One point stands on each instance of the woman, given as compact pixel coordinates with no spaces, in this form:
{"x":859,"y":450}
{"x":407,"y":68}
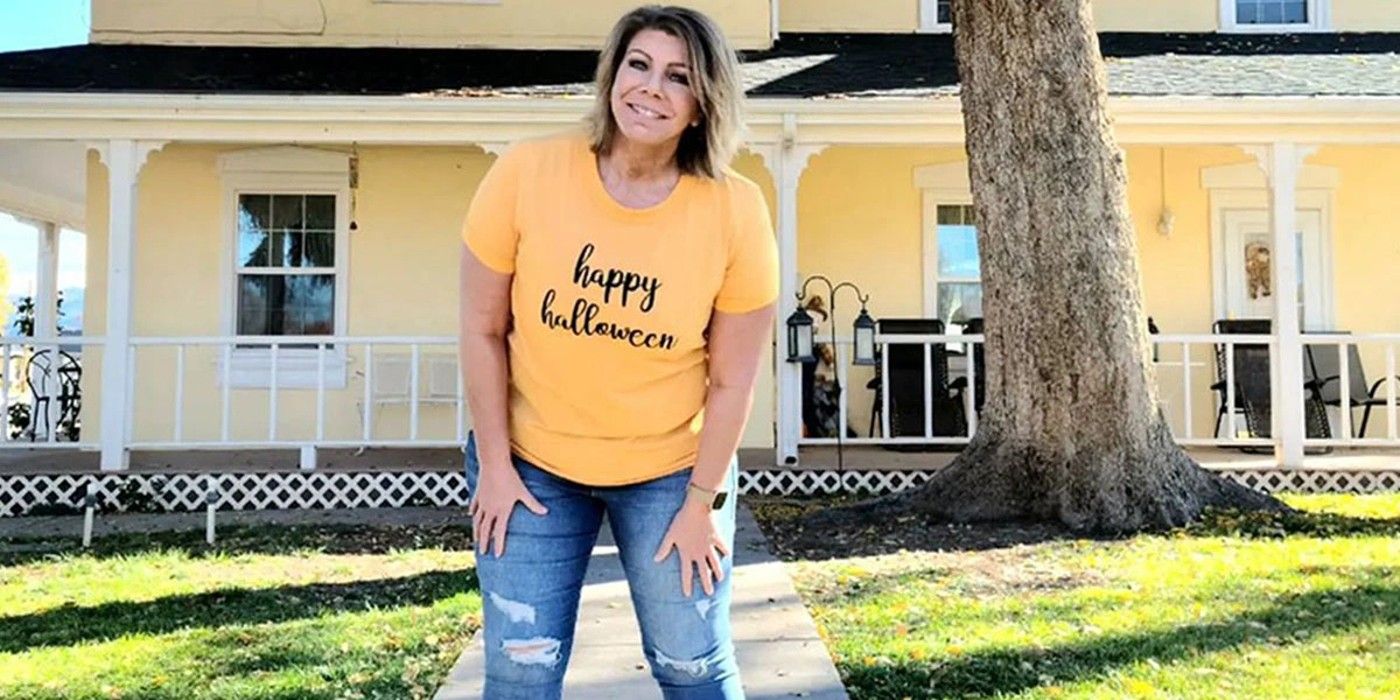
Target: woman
{"x":618,"y":286}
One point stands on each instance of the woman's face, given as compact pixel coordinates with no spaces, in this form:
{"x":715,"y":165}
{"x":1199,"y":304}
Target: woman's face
{"x":651,"y":97}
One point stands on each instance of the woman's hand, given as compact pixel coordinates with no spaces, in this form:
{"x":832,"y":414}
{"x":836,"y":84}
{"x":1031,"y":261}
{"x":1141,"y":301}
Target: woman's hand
{"x":498,"y":489}
{"x":693,"y":534}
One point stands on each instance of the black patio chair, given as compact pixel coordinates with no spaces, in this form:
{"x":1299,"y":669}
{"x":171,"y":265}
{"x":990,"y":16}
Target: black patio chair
{"x":1245,"y":327}
{"x":59,"y":385}
{"x":1324,"y":364}
{"x":978,"y":355}
{"x":1253,"y":385}
{"x":905,"y":384}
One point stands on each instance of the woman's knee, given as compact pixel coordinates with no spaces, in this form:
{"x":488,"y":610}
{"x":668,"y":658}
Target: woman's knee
{"x":678,"y":666}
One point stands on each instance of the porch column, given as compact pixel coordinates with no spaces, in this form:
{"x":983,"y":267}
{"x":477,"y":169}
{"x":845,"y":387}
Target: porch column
{"x":1281,"y":162}
{"x":124,"y":158}
{"x":786,"y":161}
{"x":46,"y":311}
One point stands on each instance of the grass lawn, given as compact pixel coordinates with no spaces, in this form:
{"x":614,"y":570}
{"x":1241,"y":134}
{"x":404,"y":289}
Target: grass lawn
{"x":270,"y":612}
{"x":1238,"y":607}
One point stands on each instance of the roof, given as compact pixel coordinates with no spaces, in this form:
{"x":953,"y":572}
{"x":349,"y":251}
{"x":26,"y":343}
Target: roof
{"x":799,"y":66}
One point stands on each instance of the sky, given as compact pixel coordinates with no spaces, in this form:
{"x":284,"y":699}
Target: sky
{"x":37,"y":24}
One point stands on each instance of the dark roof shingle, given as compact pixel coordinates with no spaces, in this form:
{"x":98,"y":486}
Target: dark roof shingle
{"x":799,"y":65}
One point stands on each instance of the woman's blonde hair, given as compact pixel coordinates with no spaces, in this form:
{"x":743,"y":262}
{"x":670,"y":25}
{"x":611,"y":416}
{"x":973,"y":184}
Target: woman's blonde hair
{"x":705,"y":149}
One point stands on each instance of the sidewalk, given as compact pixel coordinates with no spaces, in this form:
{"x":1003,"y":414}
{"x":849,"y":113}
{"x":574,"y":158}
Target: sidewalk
{"x":780,"y":654}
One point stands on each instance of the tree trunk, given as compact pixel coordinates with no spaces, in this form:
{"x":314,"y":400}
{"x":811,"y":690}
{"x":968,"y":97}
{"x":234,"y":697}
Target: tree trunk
{"x":1071,"y":430}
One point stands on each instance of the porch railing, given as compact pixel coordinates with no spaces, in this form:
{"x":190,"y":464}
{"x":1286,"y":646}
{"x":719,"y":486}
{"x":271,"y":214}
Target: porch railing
{"x":41,"y":392}
{"x":1197,"y":380}
{"x":248,"y":365}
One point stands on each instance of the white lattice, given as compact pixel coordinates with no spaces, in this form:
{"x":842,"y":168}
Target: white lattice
{"x":388,"y":489}
{"x":243,"y":491}
{"x":785,"y":482}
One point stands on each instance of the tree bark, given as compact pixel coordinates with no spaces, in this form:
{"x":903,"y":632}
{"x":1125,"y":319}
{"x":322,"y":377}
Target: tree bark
{"x":1071,"y":430}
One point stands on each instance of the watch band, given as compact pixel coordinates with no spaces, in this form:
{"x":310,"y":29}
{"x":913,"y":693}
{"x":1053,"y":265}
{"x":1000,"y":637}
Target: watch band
{"x":714,"y":498}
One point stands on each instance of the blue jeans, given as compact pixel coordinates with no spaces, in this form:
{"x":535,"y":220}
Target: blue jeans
{"x":530,"y":596}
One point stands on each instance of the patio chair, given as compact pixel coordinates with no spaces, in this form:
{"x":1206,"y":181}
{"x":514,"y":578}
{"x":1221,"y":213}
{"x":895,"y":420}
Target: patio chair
{"x":1237,"y":326}
{"x":905,"y":384}
{"x":1253,"y":387}
{"x":974,"y":326}
{"x":1324,"y":364}
{"x":59,"y":386}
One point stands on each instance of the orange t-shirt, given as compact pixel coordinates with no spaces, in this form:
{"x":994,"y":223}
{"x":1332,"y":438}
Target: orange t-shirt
{"x":608,"y":368}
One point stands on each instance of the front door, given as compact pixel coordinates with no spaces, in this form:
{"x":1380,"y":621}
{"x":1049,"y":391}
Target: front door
{"x":1249,"y":286}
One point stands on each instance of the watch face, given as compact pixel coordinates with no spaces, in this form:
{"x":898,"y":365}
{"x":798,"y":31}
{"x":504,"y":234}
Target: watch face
{"x":719,"y":499}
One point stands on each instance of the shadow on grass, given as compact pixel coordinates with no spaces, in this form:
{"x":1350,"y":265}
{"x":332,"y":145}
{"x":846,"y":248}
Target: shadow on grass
{"x":71,"y":624}
{"x":245,"y":539}
{"x":1007,"y":671}
{"x":784,"y":521}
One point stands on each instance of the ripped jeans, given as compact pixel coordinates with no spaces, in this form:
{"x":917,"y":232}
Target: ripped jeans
{"x":530,"y":596}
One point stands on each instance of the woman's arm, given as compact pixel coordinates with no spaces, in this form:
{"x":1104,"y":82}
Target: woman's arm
{"x":735,"y":344}
{"x":735,"y":347}
{"x":483,"y":321}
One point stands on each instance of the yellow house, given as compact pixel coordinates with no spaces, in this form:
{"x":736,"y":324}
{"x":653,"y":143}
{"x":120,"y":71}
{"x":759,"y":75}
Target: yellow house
{"x":272,"y":194}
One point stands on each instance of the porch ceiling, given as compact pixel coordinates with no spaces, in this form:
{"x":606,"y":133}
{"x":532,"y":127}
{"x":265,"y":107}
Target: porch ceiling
{"x":44,"y":180}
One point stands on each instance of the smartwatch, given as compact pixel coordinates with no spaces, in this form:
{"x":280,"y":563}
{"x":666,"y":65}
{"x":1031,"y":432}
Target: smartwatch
{"x":716,"y":499}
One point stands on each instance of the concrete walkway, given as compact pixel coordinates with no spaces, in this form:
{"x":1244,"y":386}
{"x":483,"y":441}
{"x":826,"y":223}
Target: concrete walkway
{"x":780,"y":654}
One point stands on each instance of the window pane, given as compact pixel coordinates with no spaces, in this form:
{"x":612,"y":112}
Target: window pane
{"x":945,"y":11}
{"x":1247,"y":12}
{"x":1271,"y":11}
{"x":957,"y":243}
{"x":320,"y":212}
{"x":957,"y":252}
{"x":286,"y":304}
{"x":959,"y":301}
{"x":287,"y":211}
{"x":318,"y":249}
{"x":254,"y":215}
{"x":955,"y":214}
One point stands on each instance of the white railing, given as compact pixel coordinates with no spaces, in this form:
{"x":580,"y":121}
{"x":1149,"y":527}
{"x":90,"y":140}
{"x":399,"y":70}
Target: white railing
{"x":1186,"y":364}
{"x":285,"y":366}
{"x":965,"y":368}
{"x":43,"y":376}
{"x":1339,"y":371}
{"x":1204,"y":367}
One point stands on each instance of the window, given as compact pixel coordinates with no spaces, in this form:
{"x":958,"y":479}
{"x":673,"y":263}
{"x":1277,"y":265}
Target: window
{"x":935,"y":15}
{"x":288,"y":220}
{"x":286,"y":264}
{"x":1275,"y":15}
{"x":958,"y":272}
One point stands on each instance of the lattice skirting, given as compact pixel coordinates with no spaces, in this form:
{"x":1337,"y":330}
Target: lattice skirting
{"x":19,"y":494}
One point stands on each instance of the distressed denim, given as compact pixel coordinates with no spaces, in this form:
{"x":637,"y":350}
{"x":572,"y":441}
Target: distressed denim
{"x":530,"y":596}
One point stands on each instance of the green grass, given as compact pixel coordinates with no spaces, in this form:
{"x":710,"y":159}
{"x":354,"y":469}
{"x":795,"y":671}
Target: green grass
{"x":270,"y":612}
{"x":1304,"y":606}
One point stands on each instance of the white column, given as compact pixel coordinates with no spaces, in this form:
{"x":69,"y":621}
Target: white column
{"x":787,"y":161}
{"x":124,"y":158}
{"x":46,"y":281}
{"x":46,"y":314}
{"x":1281,"y":163}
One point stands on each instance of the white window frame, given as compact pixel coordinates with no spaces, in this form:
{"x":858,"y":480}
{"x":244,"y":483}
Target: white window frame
{"x":928,"y":19}
{"x":1319,"y":20}
{"x":945,"y":184}
{"x":293,"y":171}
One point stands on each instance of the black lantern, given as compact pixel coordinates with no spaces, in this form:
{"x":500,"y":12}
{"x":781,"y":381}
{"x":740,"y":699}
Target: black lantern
{"x":864,"y":339}
{"x":800,"y":348}
{"x":799,"y":345}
